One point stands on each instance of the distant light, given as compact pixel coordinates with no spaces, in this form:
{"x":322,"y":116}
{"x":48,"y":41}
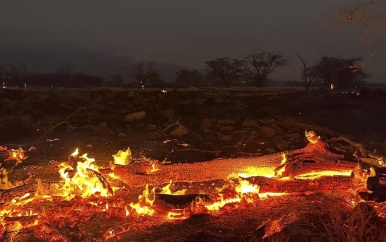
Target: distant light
{"x":25,"y":85}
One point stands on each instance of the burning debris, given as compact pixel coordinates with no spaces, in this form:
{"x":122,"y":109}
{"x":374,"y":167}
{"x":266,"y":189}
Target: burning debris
{"x":130,"y":189}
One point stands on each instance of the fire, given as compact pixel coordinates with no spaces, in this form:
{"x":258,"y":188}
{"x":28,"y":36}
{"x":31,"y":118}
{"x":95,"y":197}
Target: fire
{"x":312,"y":137}
{"x":318,"y":174}
{"x":266,"y":171}
{"x":245,"y":187}
{"x":16,"y":155}
{"x":143,"y":206}
{"x":234,"y":194}
{"x":166,"y":190}
{"x":84,"y":180}
{"x":123,"y":157}
{"x":153,"y":167}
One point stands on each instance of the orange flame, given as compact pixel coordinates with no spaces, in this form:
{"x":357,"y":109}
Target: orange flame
{"x":84,"y":181}
{"x":123,"y":157}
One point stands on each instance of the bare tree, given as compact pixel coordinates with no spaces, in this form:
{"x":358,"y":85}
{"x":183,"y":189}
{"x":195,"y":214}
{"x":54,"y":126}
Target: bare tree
{"x":259,"y":65}
{"x":224,"y":70}
{"x":144,"y":74}
{"x":309,"y":74}
{"x":65,"y":72}
{"x":17,"y":73}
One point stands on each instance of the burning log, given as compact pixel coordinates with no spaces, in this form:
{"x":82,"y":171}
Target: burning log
{"x":321,"y":184}
{"x":317,"y":156}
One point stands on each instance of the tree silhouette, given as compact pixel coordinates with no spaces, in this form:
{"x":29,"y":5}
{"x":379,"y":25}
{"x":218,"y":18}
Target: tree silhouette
{"x":309,"y":73}
{"x":224,"y":71}
{"x":189,"y":77}
{"x":144,"y":74}
{"x":340,"y":72}
{"x":259,"y":65}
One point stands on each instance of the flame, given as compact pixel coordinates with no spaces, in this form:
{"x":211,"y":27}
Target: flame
{"x":153,"y":168}
{"x":266,"y":171}
{"x":312,"y":137}
{"x":243,"y":192}
{"x":318,"y":174}
{"x":123,"y":157}
{"x":143,"y":206}
{"x":166,"y":188}
{"x":86,"y":180}
{"x":17,"y":155}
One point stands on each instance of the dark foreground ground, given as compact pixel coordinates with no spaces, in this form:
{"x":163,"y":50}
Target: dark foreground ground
{"x":192,"y":125}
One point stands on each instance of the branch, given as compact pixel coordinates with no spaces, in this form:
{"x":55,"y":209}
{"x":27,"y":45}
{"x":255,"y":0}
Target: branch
{"x":173,"y":124}
{"x":65,"y":121}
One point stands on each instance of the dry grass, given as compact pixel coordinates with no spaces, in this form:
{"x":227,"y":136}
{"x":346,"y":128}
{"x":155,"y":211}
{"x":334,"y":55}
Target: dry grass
{"x":361,"y":224}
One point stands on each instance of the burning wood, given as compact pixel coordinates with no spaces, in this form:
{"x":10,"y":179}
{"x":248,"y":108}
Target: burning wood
{"x":88,"y":190}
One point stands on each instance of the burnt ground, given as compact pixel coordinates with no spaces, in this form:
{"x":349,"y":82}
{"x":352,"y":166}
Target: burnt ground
{"x":188,"y":125}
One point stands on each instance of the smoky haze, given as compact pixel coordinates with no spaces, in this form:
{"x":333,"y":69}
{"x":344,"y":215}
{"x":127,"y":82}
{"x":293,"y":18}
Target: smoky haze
{"x":103,"y":37}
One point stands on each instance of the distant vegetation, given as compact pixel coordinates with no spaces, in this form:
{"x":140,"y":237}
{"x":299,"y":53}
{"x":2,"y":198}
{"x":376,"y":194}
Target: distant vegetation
{"x":252,"y":70}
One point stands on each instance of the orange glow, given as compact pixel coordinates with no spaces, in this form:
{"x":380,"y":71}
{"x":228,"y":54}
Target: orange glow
{"x":312,"y":137}
{"x":318,"y":174}
{"x":16,"y":155}
{"x":143,"y":206}
{"x":153,"y":167}
{"x":123,"y":157}
{"x":84,"y":181}
{"x":266,"y":171}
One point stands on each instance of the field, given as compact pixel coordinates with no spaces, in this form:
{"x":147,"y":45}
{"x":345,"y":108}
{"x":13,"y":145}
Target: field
{"x":202,"y":125}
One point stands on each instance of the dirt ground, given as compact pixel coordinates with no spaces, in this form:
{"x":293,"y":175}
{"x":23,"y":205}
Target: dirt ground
{"x":191,"y":125}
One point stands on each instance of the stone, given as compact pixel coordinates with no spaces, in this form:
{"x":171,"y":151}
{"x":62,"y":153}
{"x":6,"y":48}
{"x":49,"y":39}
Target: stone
{"x":226,"y":138}
{"x":152,"y":127}
{"x":156,"y":136}
{"x":226,"y":122}
{"x":227,"y":129}
{"x":135,"y":116}
{"x":103,"y":129}
{"x":249,"y":124}
{"x":168,"y":114}
{"x":206,"y":123}
{"x":281,"y":144}
{"x":267,"y":132}
{"x":270,"y":150}
{"x":278,"y":130}
{"x":179,"y":131}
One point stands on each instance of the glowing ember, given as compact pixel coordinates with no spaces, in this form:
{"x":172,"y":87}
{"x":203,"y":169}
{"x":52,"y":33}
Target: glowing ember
{"x":16,"y":155}
{"x":123,"y":157}
{"x":143,"y":206}
{"x":85,"y":180}
{"x":312,"y":137}
{"x":266,"y":171}
{"x":318,"y":174}
{"x":153,"y":167}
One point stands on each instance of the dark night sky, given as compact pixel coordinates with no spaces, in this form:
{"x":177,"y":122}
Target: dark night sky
{"x":181,"y":32}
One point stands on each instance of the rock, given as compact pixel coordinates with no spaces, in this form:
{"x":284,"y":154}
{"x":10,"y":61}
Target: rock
{"x":206,"y":123}
{"x":179,"y":131}
{"x":122,"y":135}
{"x":293,"y":137}
{"x":267,"y":132}
{"x":277,"y":129}
{"x":135,"y":116}
{"x":227,"y":129}
{"x":152,"y":127}
{"x":156,"y":136}
{"x":168,"y":114}
{"x":103,"y":129}
{"x":226,"y":138}
{"x":281,"y":144}
{"x":270,"y":150}
{"x":226,"y":122}
{"x":249,"y":124}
